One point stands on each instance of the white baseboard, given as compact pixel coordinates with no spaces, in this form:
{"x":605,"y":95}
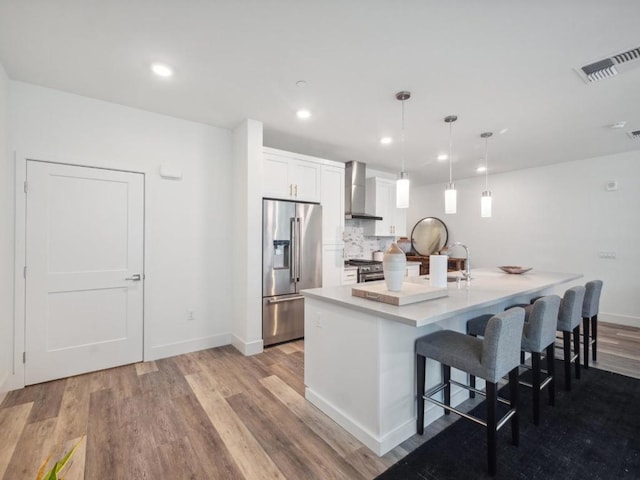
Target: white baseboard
{"x":381,"y":445}
{"x":627,"y":320}
{"x":188,"y":346}
{"x":247,"y":348}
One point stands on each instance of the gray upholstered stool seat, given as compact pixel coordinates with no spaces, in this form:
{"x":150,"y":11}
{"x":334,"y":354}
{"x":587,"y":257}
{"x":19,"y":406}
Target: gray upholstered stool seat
{"x":590,"y":309}
{"x":569,"y":324}
{"x":490,"y":358}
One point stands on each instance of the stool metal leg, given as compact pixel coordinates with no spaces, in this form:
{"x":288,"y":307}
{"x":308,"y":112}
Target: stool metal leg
{"x":446,"y":377}
{"x":420,"y":367}
{"x":566,"y":347}
{"x":594,"y":335}
{"x":535,"y":371}
{"x":514,"y":392}
{"x":586,"y":340}
{"x":551,"y":368}
{"x":472,"y":382}
{"x":492,"y":405}
{"x":576,"y":349}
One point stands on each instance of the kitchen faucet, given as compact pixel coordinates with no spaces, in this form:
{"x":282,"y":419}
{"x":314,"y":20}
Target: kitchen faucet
{"x":466,"y":275}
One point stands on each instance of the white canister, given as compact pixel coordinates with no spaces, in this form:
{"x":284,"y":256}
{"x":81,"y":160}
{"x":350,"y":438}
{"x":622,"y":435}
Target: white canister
{"x":394,"y":265}
{"x":378,"y":256}
{"x":438,"y":270}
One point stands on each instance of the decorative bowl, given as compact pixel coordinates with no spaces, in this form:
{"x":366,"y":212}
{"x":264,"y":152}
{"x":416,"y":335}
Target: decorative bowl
{"x":513,"y":269}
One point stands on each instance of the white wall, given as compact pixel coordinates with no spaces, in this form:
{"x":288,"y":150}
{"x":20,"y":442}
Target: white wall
{"x":188,"y":221}
{"x":6,"y":240}
{"x":555,"y":218}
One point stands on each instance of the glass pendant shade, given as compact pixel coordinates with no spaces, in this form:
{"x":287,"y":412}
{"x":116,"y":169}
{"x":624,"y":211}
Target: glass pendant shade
{"x":450,"y":199}
{"x":485,"y":204}
{"x":485,"y":200}
{"x":450,"y":194}
{"x":402,"y":184}
{"x":402,"y":191}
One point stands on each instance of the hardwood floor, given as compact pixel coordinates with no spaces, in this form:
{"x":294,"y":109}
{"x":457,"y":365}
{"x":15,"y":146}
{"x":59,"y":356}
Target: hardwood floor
{"x":213,"y":414}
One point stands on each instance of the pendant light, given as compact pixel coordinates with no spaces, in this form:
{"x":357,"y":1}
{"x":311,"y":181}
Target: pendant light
{"x":450,"y":190}
{"x":402,"y":184}
{"x":485,"y":200}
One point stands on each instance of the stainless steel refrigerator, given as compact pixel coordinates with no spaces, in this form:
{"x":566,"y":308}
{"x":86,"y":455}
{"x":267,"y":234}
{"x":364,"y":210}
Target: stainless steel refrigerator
{"x":291,"y":261}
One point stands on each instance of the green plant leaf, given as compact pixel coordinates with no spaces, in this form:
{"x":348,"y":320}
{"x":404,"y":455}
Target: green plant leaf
{"x":42,"y":467}
{"x":59,"y":465}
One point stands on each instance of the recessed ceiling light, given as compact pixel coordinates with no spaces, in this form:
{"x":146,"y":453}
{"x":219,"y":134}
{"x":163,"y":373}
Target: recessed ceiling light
{"x":503,"y":131}
{"x":301,"y":83}
{"x":386,"y":140}
{"x":618,"y":125}
{"x":303,"y":113}
{"x":442,"y":157}
{"x":481,"y":169}
{"x":161,"y":69}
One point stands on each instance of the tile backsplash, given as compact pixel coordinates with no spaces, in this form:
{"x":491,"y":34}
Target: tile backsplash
{"x":357,"y":245}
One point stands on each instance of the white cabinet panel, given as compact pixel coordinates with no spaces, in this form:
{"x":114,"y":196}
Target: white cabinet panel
{"x":381,"y":201}
{"x":290,"y":178}
{"x":332,"y":265}
{"x":349,"y":276}
{"x":304,"y":178}
{"x":276,"y":177}
{"x":332,"y":204}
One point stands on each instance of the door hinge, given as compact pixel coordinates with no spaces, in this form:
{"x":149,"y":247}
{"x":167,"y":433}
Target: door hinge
{"x":26,"y":188}
{"x":24,"y":272}
{"x":24,"y":357}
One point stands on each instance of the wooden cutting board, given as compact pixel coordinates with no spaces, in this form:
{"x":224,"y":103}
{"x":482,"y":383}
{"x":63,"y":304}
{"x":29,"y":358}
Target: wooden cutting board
{"x":410,"y":293}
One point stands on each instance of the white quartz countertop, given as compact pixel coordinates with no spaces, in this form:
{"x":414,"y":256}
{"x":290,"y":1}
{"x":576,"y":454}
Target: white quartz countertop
{"x":488,"y":287}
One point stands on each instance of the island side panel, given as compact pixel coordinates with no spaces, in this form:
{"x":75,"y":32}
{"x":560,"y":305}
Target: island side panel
{"x":341,"y":372}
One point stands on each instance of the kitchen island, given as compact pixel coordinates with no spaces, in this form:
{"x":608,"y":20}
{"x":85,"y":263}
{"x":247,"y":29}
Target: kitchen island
{"x":359,"y":365}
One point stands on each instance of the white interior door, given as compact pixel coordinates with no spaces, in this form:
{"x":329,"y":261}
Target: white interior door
{"x":84,"y":255}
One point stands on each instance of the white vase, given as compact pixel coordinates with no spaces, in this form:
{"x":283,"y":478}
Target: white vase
{"x":394,"y":265}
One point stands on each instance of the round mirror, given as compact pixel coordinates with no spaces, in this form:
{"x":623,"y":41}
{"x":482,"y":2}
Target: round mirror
{"x":429,"y":236}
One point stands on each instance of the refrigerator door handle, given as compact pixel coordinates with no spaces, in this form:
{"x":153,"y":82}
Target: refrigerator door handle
{"x":299,"y":249}
{"x":288,"y":299}
{"x":293,"y":267}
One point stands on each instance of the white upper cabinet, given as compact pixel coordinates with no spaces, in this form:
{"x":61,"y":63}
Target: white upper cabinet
{"x":332,"y":204}
{"x":291,"y":178}
{"x":381,"y":201}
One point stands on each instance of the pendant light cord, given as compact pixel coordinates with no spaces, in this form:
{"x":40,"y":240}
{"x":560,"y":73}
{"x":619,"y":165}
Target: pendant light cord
{"x":450,"y":152}
{"x":486,"y":163}
{"x":402,"y":137}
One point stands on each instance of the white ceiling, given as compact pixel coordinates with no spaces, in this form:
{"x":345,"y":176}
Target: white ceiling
{"x":496,"y":64}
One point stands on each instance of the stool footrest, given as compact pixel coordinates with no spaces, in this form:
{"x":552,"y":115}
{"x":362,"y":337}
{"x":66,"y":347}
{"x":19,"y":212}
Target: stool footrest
{"x":438,"y":388}
{"x":507,"y":416}
{"x":468,"y":387}
{"x":543,"y":384}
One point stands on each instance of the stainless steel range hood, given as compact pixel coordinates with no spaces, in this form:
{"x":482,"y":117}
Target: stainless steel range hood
{"x":355,"y":191}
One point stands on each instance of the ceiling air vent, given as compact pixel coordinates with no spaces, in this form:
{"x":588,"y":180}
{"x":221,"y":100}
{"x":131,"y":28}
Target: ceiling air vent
{"x":635,"y":135}
{"x":610,"y":67}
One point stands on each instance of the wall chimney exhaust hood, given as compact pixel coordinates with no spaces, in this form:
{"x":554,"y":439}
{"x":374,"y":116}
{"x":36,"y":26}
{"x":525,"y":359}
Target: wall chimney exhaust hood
{"x":355,"y":193}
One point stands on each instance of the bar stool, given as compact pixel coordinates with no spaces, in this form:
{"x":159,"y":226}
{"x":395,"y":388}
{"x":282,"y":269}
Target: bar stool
{"x":490,"y":358}
{"x":538,"y":337}
{"x":569,"y":323}
{"x":590,"y":309}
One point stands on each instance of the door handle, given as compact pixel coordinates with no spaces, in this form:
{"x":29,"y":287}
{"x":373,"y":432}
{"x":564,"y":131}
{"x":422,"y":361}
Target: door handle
{"x":289,"y":299}
{"x":136,"y":277}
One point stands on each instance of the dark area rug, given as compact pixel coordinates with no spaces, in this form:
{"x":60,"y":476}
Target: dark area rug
{"x":592,"y":432}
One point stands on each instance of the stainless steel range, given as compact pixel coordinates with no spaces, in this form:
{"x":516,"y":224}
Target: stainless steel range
{"x":368,"y":270}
